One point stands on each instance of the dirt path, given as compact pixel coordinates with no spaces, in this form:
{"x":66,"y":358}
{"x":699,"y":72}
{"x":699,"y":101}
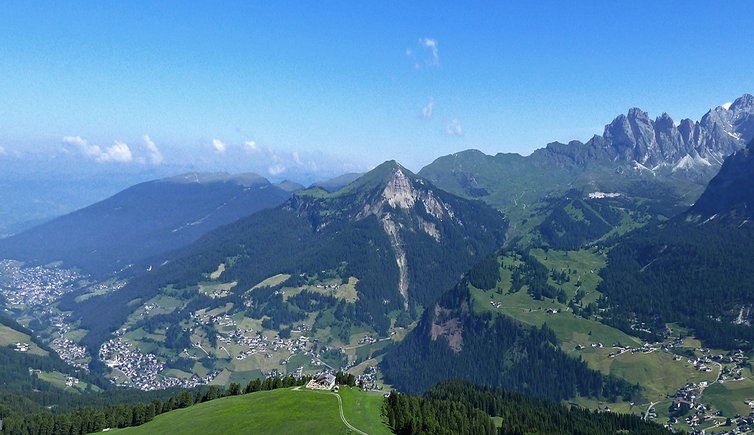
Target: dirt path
{"x":343,"y":417}
{"x":649,"y":409}
{"x":340,"y":411}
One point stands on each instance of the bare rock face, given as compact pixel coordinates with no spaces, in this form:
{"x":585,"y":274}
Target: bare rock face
{"x":416,"y":218}
{"x":403,"y":192}
{"x":449,"y":326}
{"x":688,"y":145}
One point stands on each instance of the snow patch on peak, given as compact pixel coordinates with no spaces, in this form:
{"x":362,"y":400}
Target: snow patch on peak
{"x":727,"y":105}
{"x":639,"y":167}
{"x":602,"y":195}
{"x":688,"y":162}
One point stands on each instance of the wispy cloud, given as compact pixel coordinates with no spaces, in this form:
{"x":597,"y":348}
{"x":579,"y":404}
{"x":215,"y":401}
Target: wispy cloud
{"x":155,"y":156}
{"x":251,"y":146}
{"x":118,"y":152}
{"x":296,"y":158}
{"x":426,"y":111}
{"x":275,"y":170}
{"x":219,"y":145}
{"x":425,"y":54}
{"x":453,"y":128}
{"x":431,"y":44}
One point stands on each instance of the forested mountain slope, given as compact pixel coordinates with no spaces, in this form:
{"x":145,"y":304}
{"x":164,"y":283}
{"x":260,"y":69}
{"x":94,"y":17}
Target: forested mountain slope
{"x":401,"y":238}
{"x":695,"y":269}
{"x":143,"y":220}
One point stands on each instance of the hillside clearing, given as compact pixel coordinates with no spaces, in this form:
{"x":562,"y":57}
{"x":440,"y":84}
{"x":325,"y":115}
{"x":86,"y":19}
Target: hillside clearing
{"x":288,"y":410}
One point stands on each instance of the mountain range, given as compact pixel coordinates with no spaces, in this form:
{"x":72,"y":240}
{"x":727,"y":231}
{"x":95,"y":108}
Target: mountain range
{"x":400,"y":240}
{"x":143,"y":220}
{"x":658,"y":167}
{"x":521,"y":272}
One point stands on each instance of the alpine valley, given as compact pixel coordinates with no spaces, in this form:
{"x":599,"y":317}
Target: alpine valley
{"x":496,"y":294}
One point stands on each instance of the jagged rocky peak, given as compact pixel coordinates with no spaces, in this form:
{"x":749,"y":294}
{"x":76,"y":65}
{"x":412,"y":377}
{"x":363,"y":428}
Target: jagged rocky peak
{"x":744,"y":103}
{"x":396,"y":187}
{"x":664,"y":122}
{"x":731,"y":122}
{"x":662,"y":142}
{"x":633,"y":137}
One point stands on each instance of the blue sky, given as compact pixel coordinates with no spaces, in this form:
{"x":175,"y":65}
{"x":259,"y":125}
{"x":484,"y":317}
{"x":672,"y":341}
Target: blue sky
{"x":315,"y":88}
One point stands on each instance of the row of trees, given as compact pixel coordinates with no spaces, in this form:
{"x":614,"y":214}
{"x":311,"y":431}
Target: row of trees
{"x":90,"y":419}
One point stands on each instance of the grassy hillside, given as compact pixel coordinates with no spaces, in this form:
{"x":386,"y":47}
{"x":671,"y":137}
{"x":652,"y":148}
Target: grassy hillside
{"x":544,"y":195}
{"x":661,"y":368}
{"x":295,"y":410}
{"x":10,"y":336}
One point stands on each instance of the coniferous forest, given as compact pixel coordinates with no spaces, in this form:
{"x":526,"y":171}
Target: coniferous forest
{"x":456,"y":407}
{"x":496,"y":351}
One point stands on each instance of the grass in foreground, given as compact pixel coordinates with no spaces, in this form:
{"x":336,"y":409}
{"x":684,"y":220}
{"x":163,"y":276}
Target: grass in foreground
{"x":273,"y":412}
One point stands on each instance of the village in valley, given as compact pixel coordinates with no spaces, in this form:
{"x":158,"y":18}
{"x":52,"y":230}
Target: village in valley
{"x":223,"y":341}
{"x":219,"y":338}
{"x":34,"y":286}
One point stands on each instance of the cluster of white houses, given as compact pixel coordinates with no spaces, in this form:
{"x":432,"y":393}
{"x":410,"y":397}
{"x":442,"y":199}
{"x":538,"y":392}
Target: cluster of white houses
{"x":143,"y":371}
{"x":35,"y":286}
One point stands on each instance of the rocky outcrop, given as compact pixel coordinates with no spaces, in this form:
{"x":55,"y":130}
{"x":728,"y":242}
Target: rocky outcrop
{"x":422,"y":224}
{"x":658,"y":143}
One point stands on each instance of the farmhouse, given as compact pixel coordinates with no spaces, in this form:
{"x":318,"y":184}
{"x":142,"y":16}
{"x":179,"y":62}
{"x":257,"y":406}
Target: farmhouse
{"x":323,"y":381}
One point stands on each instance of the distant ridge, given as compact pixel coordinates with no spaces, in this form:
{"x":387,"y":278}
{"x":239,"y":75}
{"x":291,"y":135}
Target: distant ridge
{"x":338,"y":182}
{"x":143,"y":220}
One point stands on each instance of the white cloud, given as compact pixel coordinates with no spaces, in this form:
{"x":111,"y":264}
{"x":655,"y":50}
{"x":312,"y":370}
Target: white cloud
{"x":251,"y":146}
{"x":453,"y":128}
{"x":727,"y":105}
{"x":83,"y":146}
{"x":155,"y":156}
{"x":276,"y":169}
{"x":219,"y":145}
{"x":118,"y":152}
{"x":297,"y":158}
{"x":426,"y":112}
{"x":425,"y":54}
{"x":431,"y":44}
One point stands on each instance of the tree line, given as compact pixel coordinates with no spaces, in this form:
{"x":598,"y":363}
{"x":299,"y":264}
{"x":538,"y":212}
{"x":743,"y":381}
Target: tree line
{"x":93,"y":419}
{"x":457,"y":407}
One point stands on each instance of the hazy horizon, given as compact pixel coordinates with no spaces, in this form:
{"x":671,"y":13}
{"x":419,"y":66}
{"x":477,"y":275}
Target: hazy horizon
{"x":310,"y":91}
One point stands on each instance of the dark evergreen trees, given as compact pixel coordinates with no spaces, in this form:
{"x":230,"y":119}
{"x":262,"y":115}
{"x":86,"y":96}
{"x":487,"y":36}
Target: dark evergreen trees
{"x":462,"y":408}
